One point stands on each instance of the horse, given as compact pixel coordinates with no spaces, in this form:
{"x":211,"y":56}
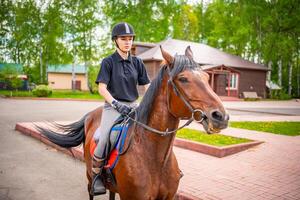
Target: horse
{"x":149,"y":169}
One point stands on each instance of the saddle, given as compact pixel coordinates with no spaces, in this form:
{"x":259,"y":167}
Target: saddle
{"x":114,"y":147}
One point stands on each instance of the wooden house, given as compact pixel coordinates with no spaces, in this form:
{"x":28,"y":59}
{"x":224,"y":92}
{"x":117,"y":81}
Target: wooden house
{"x":230,"y":75}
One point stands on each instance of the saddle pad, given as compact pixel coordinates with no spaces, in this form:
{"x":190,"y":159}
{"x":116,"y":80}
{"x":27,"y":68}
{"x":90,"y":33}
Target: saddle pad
{"x":121,"y":131}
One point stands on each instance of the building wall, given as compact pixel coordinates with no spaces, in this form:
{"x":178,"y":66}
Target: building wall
{"x":64,"y":81}
{"x":152,"y":68}
{"x":137,"y":49}
{"x":252,"y":81}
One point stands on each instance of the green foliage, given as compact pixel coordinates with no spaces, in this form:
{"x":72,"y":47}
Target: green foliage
{"x":42,"y":91}
{"x":75,"y":95}
{"x":186,"y":23}
{"x":92,"y":74}
{"x":16,"y":82}
{"x":9,"y":75}
{"x":282,"y":128}
{"x":215,"y":139}
{"x":280,"y":95}
{"x":16,"y":93}
{"x":251,"y":99}
{"x":150,"y":19}
{"x":8,"y":71}
{"x":63,"y":94}
{"x":25,"y":30}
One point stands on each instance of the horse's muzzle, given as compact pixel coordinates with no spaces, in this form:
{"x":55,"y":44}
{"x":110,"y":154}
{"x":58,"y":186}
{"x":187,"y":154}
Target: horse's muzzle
{"x":215,"y":121}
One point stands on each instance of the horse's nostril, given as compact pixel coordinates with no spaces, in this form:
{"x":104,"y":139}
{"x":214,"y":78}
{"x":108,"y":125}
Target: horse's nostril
{"x":217,"y":115}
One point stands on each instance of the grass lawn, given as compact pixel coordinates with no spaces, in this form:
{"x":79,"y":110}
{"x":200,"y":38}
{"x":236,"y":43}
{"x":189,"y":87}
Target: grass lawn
{"x":282,"y":128}
{"x":8,"y":93}
{"x":215,"y":139}
{"x":74,"y":95}
{"x":64,"y":94}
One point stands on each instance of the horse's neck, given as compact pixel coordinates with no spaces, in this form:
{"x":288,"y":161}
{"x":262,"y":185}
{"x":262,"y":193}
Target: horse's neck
{"x":162,"y":120}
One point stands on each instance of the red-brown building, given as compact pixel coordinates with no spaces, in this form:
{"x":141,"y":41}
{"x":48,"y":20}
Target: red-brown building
{"x":230,"y":75}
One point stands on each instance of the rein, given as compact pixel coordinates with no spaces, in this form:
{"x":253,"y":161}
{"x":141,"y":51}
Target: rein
{"x":187,"y":104}
{"x":161,"y":133}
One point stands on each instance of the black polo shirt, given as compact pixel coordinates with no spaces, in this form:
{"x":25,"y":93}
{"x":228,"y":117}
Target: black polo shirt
{"x":122,"y":76}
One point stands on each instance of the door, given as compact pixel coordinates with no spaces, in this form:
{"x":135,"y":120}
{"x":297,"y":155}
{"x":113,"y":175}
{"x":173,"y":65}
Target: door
{"x":77,"y":85}
{"x":220,"y":84}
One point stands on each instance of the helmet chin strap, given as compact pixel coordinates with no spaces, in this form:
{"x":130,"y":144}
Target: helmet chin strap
{"x":125,"y":52}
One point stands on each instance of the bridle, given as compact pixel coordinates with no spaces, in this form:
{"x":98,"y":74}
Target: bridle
{"x":186,"y":103}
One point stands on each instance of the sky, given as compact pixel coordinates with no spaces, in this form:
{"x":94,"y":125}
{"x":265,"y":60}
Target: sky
{"x":199,"y":1}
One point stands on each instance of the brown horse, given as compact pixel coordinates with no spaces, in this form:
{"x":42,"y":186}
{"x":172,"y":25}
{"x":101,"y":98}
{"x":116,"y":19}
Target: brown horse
{"x":149,"y":169}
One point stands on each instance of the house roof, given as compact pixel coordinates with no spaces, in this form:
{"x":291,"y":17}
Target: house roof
{"x":79,"y":69}
{"x":145,"y":44}
{"x":16,"y":67}
{"x":216,"y":67}
{"x":203,"y":54}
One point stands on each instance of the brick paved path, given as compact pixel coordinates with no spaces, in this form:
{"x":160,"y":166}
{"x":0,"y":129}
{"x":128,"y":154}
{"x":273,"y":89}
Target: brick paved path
{"x":268,"y":171}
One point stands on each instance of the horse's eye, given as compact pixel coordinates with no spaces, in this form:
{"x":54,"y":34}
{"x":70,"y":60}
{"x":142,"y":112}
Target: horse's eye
{"x":183,"y":80}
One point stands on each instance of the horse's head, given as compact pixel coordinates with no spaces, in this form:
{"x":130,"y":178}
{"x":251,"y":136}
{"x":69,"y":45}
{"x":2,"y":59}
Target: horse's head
{"x":190,"y":95}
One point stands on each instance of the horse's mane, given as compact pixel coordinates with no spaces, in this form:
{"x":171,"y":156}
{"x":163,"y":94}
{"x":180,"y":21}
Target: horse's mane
{"x":181,"y":63}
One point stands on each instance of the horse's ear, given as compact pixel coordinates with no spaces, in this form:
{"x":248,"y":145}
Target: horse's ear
{"x":166,"y":56}
{"x":189,"y":53}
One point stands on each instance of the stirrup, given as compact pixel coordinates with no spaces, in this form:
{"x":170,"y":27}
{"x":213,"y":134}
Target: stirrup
{"x":97,"y":178}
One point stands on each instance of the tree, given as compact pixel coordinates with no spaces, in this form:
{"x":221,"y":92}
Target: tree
{"x":9,"y":75}
{"x":81,"y":22}
{"x":186,"y":24}
{"x":52,"y":49}
{"x":151,"y":19}
{"x":23,"y":44}
{"x":6,"y":19}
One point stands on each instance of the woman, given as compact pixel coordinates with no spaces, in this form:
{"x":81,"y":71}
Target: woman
{"x":117,"y":83}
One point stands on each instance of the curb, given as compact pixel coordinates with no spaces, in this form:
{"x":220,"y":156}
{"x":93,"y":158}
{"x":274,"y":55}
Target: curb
{"x":219,"y":152}
{"x":256,"y":111}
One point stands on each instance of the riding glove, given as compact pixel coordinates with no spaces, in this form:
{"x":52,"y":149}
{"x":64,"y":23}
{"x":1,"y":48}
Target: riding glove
{"x":120,"y":107}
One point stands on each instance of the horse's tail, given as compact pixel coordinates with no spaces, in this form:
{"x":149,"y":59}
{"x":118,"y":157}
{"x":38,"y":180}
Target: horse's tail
{"x":69,"y":135}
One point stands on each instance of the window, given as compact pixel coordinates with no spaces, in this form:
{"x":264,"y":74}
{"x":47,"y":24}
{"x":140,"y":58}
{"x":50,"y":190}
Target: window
{"x":233,"y":82}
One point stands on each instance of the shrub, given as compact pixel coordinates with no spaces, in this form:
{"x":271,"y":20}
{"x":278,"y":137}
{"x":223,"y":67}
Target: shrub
{"x":42,"y":91}
{"x":251,"y":99}
{"x":280,"y":95}
{"x":15,"y":82}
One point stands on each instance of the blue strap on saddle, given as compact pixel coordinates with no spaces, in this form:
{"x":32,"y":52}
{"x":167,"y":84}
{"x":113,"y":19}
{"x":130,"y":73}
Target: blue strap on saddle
{"x":120,"y":140}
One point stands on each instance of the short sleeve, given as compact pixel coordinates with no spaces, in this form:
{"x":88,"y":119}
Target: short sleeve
{"x":104,"y":73}
{"x":143,"y":78}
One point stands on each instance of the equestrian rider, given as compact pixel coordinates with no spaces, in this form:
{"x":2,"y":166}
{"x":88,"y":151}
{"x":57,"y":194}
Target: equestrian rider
{"x":117,"y":82}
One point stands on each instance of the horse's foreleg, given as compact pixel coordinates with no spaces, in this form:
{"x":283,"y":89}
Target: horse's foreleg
{"x":112,"y":195}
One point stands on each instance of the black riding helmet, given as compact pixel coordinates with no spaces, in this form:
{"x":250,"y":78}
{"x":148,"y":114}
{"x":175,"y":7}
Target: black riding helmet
{"x":122,"y":29}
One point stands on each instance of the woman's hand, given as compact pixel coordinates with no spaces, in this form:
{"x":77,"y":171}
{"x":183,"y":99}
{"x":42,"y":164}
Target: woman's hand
{"x":123,"y":109}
